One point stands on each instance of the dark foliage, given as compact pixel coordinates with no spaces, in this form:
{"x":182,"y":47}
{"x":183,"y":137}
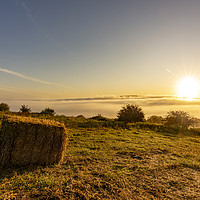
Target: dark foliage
{"x":48,"y":111}
{"x":130,"y":113}
{"x":25,"y":109}
{"x":99,"y":117}
{"x":80,"y":117}
{"x":4,"y":107}
{"x":179,"y":119}
{"x":155,"y":119}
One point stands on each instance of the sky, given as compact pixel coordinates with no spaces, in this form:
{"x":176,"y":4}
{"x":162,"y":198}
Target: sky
{"x":59,"y":49}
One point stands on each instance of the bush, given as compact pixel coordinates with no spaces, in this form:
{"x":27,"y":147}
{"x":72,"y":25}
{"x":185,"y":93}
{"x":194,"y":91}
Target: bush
{"x":48,"y":111}
{"x":179,"y":119}
{"x":4,"y":107}
{"x":99,"y":117}
{"x":80,"y":117}
{"x":155,"y":119}
{"x":155,"y":127}
{"x":130,"y":113}
{"x":25,"y":109}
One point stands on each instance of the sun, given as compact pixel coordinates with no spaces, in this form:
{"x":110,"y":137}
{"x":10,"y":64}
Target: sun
{"x":188,"y":88}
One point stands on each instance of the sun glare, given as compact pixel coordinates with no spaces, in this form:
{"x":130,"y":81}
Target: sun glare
{"x":188,"y":88}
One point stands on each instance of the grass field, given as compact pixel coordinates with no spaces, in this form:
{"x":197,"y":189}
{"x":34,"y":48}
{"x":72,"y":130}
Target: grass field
{"x":108,"y":163}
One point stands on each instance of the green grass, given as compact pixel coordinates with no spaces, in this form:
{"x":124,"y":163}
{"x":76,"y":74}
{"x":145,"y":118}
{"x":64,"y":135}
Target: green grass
{"x":108,"y":163}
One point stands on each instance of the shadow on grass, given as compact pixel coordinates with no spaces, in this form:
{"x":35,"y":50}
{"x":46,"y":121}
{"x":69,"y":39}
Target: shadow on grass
{"x":8,"y":172}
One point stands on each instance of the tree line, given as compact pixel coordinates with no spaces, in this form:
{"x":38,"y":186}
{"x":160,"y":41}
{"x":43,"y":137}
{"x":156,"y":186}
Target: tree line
{"x":129,"y":113}
{"x":25,"y":109}
{"x":133,"y":113}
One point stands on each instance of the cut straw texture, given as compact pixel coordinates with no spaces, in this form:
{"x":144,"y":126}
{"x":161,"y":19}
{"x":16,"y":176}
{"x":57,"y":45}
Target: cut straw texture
{"x":25,"y":141}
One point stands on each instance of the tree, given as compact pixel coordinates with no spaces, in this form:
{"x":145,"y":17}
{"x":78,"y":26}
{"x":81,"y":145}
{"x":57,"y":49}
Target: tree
{"x":48,"y":111}
{"x":4,"y":107}
{"x":25,"y":109}
{"x":130,"y":113}
{"x":179,"y":119}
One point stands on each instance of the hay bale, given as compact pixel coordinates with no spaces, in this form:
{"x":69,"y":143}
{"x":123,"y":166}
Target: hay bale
{"x":25,"y":141}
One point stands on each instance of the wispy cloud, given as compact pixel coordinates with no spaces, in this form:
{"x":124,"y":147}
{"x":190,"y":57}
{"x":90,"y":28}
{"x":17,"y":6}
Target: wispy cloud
{"x":28,"y":12}
{"x":29,"y":77}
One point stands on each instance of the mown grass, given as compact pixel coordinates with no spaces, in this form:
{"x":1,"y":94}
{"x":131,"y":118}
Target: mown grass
{"x":108,"y":163}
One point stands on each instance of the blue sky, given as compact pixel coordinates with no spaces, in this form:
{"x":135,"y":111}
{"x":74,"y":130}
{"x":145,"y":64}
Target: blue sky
{"x":86,"y":48}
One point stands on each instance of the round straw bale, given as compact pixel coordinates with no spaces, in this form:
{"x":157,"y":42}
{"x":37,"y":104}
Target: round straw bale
{"x":26,"y":141}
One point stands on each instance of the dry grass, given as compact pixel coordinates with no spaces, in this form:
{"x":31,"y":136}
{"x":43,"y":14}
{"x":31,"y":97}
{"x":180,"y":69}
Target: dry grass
{"x":26,"y":141}
{"x":113,"y":164}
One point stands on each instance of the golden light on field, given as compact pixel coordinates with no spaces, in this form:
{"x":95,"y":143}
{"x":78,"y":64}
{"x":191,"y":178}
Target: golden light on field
{"x":188,"y":88}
